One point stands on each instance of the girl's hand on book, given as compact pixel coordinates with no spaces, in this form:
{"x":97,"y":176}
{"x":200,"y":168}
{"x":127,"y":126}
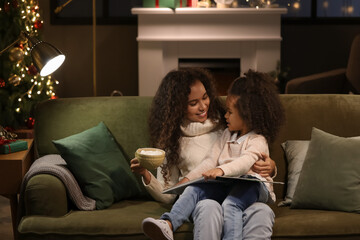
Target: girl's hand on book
{"x":213,"y":173}
{"x":184,"y":180}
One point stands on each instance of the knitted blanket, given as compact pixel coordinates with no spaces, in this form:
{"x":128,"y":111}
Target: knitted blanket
{"x":55,"y":165}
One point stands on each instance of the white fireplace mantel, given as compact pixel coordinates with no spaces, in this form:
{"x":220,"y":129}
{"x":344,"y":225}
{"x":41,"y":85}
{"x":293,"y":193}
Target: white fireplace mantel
{"x":165,"y":35}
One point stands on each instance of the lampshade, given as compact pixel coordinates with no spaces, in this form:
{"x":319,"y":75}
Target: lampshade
{"x":45,"y":56}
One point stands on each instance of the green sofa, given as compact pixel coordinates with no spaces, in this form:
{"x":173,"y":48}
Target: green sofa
{"x":50,"y":215}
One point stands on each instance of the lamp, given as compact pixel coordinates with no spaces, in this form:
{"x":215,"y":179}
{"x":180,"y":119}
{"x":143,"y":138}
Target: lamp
{"x":45,"y":56}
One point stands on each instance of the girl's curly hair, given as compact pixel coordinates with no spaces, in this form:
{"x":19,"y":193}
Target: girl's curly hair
{"x":169,"y":109}
{"x":258,"y":103}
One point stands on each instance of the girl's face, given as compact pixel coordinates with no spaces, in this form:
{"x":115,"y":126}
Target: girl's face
{"x":233,"y":118}
{"x":198,"y":103}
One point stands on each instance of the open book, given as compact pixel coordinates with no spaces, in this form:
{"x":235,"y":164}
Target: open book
{"x":178,"y":189}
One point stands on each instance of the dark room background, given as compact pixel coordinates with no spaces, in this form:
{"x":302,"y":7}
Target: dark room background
{"x":314,"y":39}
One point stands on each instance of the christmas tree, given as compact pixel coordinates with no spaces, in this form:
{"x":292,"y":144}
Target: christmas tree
{"x":21,"y":86}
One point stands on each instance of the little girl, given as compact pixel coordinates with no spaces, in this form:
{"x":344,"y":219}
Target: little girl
{"x":254,"y":116}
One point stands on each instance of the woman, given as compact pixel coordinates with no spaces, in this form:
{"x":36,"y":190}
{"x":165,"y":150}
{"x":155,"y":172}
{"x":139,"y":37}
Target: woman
{"x":186,"y":119}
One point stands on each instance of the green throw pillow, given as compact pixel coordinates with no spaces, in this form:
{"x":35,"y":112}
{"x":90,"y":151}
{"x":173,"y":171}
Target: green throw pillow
{"x":330,"y":174}
{"x":99,"y":166}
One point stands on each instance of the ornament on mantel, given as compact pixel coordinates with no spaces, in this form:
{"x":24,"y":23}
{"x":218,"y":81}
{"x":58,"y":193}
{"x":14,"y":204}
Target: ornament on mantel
{"x":32,"y":70}
{"x":14,"y":80}
{"x":223,"y":3}
{"x":257,"y":3}
{"x":16,"y":54}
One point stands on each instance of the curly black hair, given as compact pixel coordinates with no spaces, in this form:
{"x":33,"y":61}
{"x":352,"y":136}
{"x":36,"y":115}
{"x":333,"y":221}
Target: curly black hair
{"x":169,"y":108}
{"x":258,"y":103}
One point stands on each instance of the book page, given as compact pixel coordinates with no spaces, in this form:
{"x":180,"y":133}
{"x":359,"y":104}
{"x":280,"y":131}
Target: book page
{"x":178,"y":189}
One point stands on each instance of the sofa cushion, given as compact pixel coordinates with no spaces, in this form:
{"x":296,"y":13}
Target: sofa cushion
{"x":330,"y":175}
{"x":99,"y":165}
{"x":314,"y":224}
{"x":122,"y":220}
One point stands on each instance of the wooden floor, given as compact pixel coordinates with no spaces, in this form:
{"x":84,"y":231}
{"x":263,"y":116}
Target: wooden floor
{"x":5,"y":220}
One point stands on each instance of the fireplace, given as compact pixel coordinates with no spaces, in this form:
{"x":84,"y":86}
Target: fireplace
{"x":224,"y":70}
{"x":167,"y":38}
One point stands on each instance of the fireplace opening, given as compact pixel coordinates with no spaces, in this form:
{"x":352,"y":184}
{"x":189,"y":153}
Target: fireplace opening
{"x":224,"y":70}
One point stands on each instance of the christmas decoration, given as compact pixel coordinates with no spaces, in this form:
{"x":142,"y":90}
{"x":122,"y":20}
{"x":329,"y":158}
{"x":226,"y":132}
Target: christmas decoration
{"x":21,"y":86}
{"x":6,"y":135}
{"x":32,"y":70}
{"x":16,"y":54}
{"x":14,"y":80}
{"x":2,"y":82}
{"x":30,"y":123}
{"x":38,"y":24}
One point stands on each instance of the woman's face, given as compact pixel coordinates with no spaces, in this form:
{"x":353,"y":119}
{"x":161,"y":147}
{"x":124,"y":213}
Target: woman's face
{"x":198,"y":103}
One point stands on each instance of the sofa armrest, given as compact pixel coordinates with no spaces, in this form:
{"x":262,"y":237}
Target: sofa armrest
{"x":327,"y":82}
{"x":45,"y":195}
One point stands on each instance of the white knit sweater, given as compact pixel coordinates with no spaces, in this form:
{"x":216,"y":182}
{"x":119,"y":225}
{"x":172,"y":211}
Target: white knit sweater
{"x":197,"y":141}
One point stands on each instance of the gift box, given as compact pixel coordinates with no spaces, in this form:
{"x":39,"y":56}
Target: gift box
{"x":164,"y":3}
{"x":11,"y":147}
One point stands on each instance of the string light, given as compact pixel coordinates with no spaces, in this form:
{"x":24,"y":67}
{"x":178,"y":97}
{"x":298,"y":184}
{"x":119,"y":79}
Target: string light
{"x":296,"y":5}
{"x":30,"y":22}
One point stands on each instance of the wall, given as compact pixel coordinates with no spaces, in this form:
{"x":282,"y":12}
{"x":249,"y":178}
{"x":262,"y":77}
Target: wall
{"x":116,"y":57}
{"x":306,"y":49}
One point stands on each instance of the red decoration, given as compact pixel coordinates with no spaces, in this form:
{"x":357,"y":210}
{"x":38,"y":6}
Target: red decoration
{"x":32,"y":70}
{"x":2,"y":82}
{"x":189,"y":3}
{"x":157,"y":3}
{"x":6,"y":141}
{"x":30,"y":123}
{"x":54,"y":97}
{"x":9,"y":129}
{"x":38,"y":24}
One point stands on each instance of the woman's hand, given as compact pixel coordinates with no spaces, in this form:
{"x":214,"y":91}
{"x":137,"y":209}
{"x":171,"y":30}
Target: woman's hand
{"x":213,"y":173}
{"x":265,"y":166}
{"x":136,"y":168}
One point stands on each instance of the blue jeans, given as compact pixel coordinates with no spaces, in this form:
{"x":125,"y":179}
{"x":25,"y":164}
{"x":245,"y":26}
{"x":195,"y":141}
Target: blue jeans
{"x":235,"y":198}
{"x":258,"y":220}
